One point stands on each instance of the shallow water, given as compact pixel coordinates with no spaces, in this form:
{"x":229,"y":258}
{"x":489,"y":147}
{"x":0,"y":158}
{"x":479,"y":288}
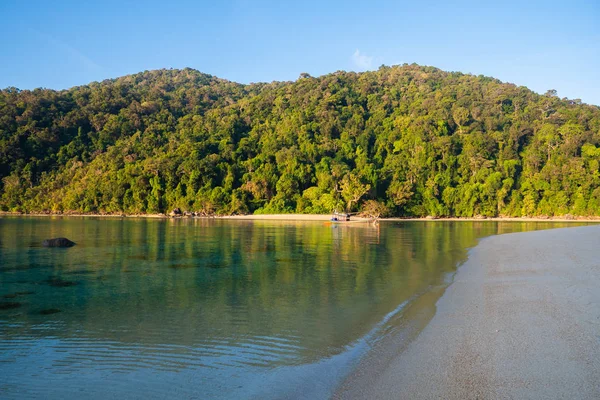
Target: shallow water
{"x":143,"y":308}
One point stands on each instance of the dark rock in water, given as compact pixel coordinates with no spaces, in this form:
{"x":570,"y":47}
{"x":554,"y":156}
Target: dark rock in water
{"x":57,"y":282}
{"x":9,"y":305}
{"x":50,"y":311}
{"x":16,"y":294}
{"x":181,"y":266}
{"x":214,"y":265}
{"x":80,"y":272}
{"x":58,"y":242}
{"x":26,"y":267}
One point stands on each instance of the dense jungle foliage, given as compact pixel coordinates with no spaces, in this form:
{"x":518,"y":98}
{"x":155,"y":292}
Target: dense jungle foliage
{"x":404,"y":141}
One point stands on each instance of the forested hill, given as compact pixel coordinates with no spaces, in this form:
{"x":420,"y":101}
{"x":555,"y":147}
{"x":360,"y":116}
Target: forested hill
{"x":405,"y":140}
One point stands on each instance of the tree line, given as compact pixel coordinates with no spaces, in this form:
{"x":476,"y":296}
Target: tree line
{"x":400,"y":141}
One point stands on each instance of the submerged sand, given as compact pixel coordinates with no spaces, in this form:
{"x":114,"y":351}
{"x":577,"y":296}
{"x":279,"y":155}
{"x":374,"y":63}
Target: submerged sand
{"x":520,"y":321}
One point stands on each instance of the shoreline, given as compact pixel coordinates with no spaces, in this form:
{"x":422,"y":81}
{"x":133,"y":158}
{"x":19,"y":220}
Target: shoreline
{"x":519,"y":320}
{"x":310,"y":217}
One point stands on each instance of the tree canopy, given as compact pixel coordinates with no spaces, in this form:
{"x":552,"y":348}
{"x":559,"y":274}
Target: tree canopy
{"x":404,"y":140}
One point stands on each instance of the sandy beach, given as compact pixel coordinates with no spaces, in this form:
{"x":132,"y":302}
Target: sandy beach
{"x":520,"y":321}
{"x":305,"y":217}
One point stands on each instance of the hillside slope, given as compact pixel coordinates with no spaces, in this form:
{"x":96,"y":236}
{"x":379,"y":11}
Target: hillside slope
{"x":403,"y":140}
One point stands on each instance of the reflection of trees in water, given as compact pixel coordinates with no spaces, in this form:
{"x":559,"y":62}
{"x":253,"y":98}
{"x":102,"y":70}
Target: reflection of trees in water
{"x":305,"y":289}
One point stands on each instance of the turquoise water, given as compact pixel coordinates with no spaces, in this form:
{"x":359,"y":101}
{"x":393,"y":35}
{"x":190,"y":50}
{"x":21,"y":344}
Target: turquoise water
{"x":143,"y":308}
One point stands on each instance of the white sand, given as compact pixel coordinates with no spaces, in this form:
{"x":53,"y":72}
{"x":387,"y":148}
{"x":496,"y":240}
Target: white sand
{"x":309,"y":217}
{"x":283,"y":217}
{"x":520,"y":321}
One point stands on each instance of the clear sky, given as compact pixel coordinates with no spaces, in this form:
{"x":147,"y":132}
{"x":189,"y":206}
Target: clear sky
{"x":539,"y":44}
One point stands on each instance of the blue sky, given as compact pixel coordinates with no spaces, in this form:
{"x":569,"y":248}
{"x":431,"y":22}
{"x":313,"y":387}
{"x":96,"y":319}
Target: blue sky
{"x":539,"y":44}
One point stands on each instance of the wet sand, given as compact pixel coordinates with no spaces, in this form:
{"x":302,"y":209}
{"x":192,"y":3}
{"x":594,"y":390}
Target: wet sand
{"x":520,"y":321}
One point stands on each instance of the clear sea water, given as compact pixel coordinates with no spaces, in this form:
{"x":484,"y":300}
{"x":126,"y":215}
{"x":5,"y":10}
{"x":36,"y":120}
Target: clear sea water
{"x":211,"y":309}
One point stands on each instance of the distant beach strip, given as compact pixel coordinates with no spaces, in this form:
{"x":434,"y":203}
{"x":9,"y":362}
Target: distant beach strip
{"x":307,"y":217}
